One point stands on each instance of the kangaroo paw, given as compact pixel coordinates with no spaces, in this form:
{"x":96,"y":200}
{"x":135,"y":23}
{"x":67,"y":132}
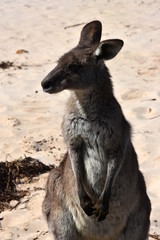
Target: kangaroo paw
{"x":87,"y":205}
{"x":102,"y":209}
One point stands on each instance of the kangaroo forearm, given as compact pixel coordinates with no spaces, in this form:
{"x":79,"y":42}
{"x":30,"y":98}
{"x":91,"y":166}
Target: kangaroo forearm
{"x":77,"y":166}
{"x":113,"y":168}
{"x":102,"y":205}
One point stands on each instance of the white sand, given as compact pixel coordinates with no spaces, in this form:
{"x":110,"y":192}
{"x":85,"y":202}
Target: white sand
{"x":28,"y":115}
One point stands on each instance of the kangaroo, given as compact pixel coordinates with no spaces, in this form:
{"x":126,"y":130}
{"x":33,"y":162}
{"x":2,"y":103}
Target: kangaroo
{"x":98,"y":191}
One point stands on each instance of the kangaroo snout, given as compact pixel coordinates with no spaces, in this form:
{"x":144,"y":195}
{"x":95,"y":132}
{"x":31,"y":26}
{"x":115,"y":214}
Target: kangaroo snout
{"x":46,"y":85}
{"x":53,"y":82}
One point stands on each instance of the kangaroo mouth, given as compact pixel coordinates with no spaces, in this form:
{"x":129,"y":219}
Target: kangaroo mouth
{"x":53,"y":89}
{"x":49,"y":90}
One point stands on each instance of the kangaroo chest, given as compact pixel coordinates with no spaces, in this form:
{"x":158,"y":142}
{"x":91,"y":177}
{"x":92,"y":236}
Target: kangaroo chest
{"x":94,"y":136}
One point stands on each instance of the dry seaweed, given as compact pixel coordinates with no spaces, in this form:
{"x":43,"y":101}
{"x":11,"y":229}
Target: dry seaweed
{"x":5,"y":65}
{"x":155,"y":236}
{"x":21,"y":51}
{"x":12,"y":173}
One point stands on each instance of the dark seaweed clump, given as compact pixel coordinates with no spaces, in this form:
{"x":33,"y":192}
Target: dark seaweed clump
{"x":18,"y":172}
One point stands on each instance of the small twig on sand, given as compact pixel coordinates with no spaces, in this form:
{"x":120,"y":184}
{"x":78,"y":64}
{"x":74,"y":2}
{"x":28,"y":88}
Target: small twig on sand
{"x":152,"y":99}
{"x":75,"y":25}
{"x":153,"y":117}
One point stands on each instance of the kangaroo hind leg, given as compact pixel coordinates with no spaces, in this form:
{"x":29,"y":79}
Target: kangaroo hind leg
{"x":55,"y":210}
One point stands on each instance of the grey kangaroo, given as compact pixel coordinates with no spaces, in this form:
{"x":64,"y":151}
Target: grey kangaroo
{"x":97,"y":192}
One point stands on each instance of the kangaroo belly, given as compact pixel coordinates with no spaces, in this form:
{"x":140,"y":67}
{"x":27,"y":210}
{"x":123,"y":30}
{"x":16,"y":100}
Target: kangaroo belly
{"x":95,"y":169}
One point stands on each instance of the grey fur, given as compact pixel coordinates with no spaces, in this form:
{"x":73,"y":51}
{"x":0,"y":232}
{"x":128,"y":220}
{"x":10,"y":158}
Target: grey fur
{"x":97,"y":192}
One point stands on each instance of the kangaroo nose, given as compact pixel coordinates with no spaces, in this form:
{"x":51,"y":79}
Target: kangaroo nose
{"x":46,"y":85}
{"x":52,"y":82}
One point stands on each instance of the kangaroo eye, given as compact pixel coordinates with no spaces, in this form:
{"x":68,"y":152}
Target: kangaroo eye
{"x":73,"y":67}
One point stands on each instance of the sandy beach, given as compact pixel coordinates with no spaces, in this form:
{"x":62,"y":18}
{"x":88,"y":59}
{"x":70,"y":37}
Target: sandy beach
{"x":33,"y":35}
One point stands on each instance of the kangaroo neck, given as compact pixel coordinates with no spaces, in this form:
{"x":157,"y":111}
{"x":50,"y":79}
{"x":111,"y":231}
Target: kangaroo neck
{"x":93,"y":100}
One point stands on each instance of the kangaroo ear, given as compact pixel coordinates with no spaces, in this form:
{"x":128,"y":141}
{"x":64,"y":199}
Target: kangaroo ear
{"x":108,"y":49}
{"x":91,"y":35}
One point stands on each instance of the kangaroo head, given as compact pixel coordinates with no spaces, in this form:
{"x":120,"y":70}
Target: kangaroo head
{"x":77,"y":69}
